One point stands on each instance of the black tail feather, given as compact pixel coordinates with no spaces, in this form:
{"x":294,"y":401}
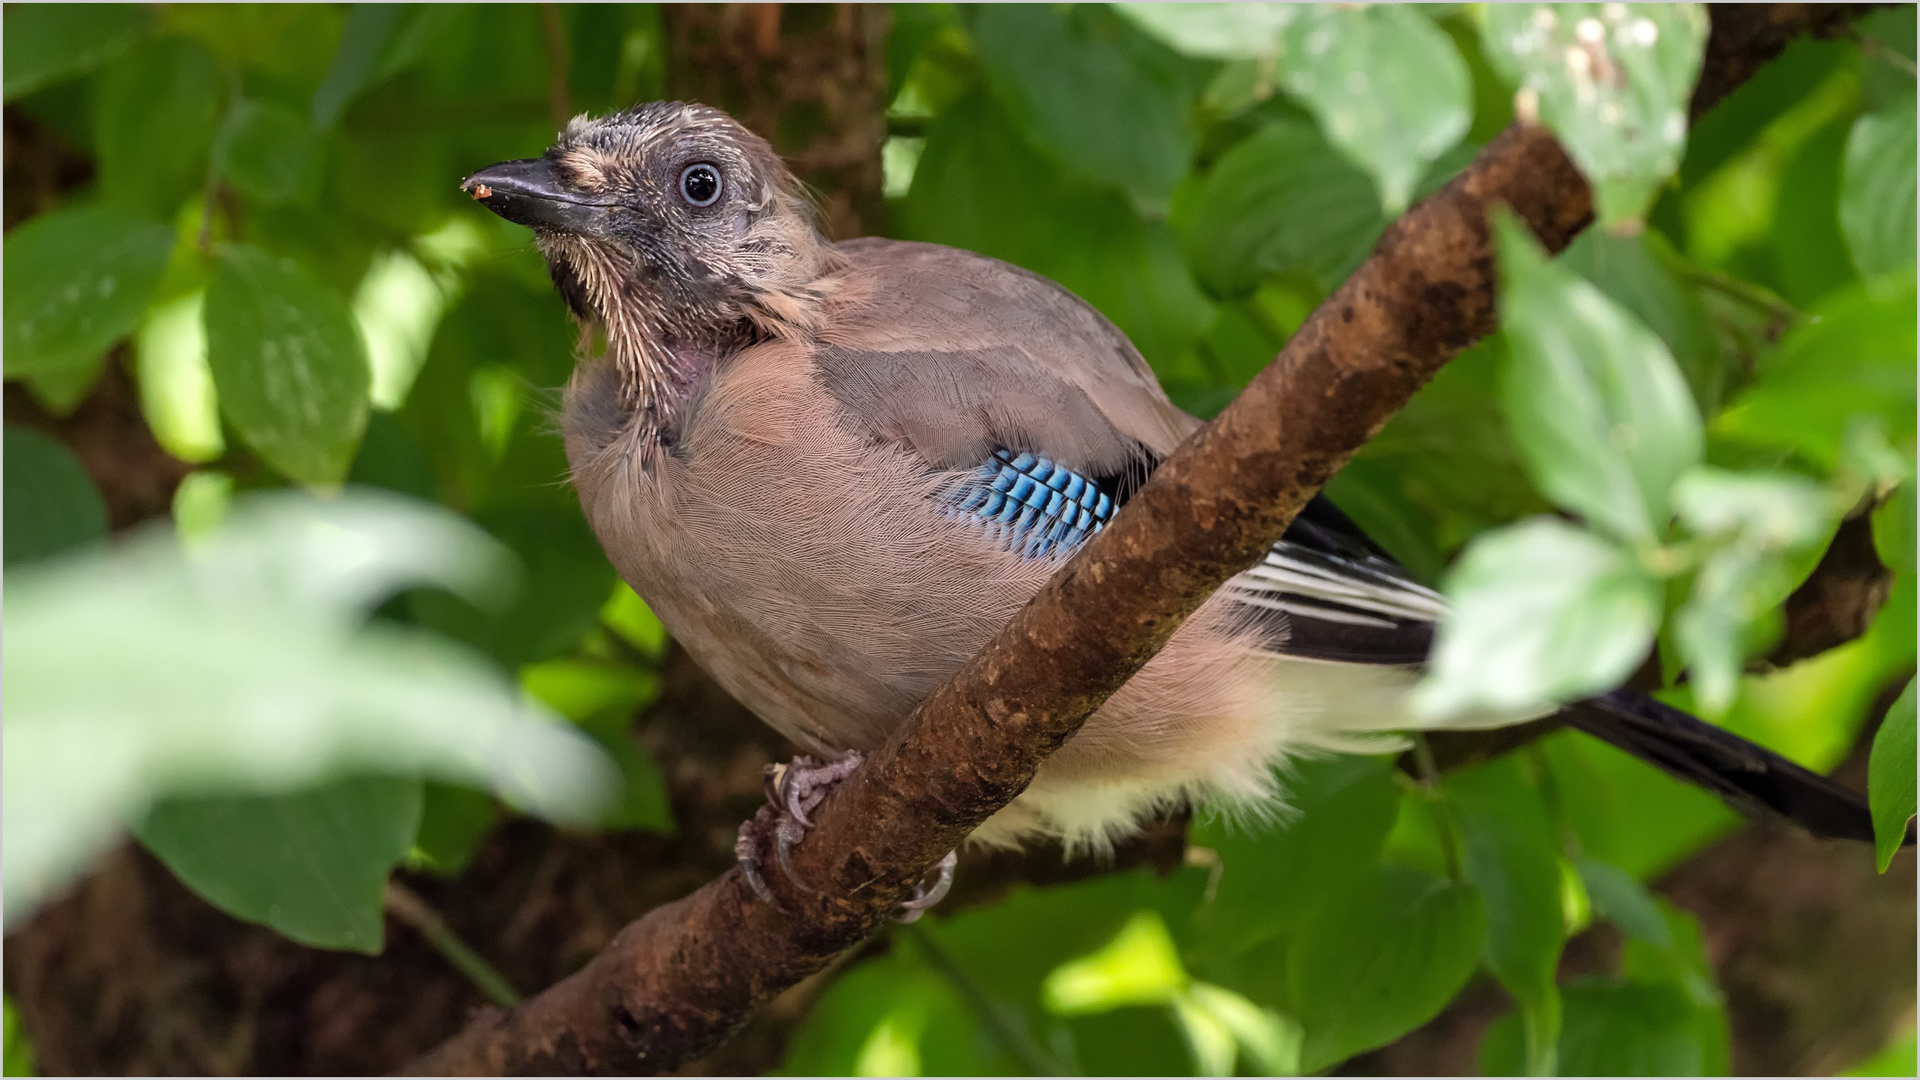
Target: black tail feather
{"x":1752,"y":779}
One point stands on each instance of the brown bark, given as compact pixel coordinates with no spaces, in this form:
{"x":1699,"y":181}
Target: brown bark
{"x":810,"y":78}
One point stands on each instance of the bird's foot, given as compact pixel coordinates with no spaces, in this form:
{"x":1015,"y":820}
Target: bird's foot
{"x":794,"y":791}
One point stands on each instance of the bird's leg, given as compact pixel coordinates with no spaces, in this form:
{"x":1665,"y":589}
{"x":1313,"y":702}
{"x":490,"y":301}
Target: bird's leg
{"x":794,"y":791}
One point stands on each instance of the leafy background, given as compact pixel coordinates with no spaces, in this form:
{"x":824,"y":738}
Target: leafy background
{"x":263,"y":232}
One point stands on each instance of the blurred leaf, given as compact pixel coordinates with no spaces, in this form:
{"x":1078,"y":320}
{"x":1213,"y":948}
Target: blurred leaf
{"x":1610,"y":1030}
{"x":1273,"y":875}
{"x":1890,"y":777}
{"x":61,"y":390}
{"x":1894,"y":527}
{"x":77,"y":281}
{"x":1753,"y":521}
{"x":288,"y":364}
{"x":155,"y":112}
{"x":1620,"y":899}
{"x":604,"y":699}
{"x":1895,"y":1059}
{"x":398,"y":307}
{"x":177,"y":397}
{"x":1216,"y":31}
{"x":1612,"y":81}
{"x":18,"y":1045}
{"x":1736,"y":122}
{"x":1517,"y":871}
{"x":267,"y":151}
{"x":1627,"y":812}
{"x":364,"y":46}
{"x":1387,"y":85}
{"x":1104,"y":100}
{"x":1138,"y":967}
{"x":1542,"y":611}
{"x":1644,"y":275}
{"x":567,"y":579}
{"x":1877,"y":191}
{"x":630,"y":617}
{"x":46,"y":43}
{"x":201,"y":503}
{"x":311,"y":864}
{"x":1596,"y":405}
{"x":1853,"y":358}
{"x":1088,"y":239}
{"x":51,"y":503}
{"x":1282,"y":202}
{"x":242,"y":668}
{"x":1380,"y":959}
{"x":1809,"y":255}
{"x":1235,"y":1027}
{"x":454,"y":821}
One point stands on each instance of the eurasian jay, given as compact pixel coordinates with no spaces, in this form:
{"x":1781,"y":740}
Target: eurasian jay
{"x":834,"y":471}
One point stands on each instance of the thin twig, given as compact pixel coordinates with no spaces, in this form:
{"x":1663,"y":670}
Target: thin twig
{"x":1010,"y":1031}
{"x":409,"y":908}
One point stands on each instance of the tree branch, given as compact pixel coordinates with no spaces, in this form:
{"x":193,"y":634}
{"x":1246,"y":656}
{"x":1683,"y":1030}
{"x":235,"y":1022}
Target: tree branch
{"x":674,"y":984}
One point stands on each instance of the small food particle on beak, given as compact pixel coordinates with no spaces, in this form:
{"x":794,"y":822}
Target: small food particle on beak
{"x":482,"y":191}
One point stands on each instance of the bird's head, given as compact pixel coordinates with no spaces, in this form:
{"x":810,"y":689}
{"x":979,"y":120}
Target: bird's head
{"x":674,"y":230}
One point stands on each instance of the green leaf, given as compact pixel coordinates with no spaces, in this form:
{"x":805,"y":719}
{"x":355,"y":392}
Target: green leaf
{"x":288,"y":363}
{"x":1598,"y":408}
{"x":1105,"y":101}
{"x":1877,"y":191}
{"x":1517,"y":871}
{"x":155,"y":112}
{"x":1894,"y":527}
{"x":454,"y":821}
{"x":1890,"y":778}
{"x":1609,"y":1030}
{"x":1274,"y":875}
{"x":1215,"y":31}
{"x":244,"y":665}
{"x":1381,"y":959}
{"x":1282,"y":202}
{"x":1268,"y":1041}
{"x":1388,"y":87}
{"x":46,"y":43}
{"x":18,"y":1045}
{"x":1753,"y":521}
{"x":1644,"y":275}
{"x":268,"y":151}
{"x":566,"y":581}
{"x":1625,"y":902}
{"x":1612,"y":81}
{"x":1542,"y":612}
{"x":311,"y":864}
{"x":51,"y":503}
{"x":177,"y":397}
{"x":77,"y":281}
{"x":365,"y":42}
{"x":1853,"y":358}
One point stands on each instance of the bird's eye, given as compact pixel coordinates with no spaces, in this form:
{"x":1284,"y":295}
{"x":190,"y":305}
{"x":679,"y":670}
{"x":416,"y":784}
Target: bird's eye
{"x":700,"y":184}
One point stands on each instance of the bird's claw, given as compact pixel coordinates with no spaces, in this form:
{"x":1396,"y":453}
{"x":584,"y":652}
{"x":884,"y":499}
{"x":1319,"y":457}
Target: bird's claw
{"x":794,"y":791}
{"x":925,"y":895}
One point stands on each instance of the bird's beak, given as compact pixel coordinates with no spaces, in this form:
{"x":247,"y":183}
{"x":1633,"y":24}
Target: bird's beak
{"x":530,"y":192}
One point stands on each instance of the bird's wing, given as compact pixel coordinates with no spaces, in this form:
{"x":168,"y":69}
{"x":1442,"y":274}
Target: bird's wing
{"x":1048,"y":418}
{"x":959,"y":355}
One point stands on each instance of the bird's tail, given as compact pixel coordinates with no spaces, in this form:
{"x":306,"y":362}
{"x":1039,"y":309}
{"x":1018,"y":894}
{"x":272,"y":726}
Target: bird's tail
{"x":1752,"y":779}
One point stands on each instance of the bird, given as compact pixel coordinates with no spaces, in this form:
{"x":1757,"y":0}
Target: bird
{"x":835,"y":470}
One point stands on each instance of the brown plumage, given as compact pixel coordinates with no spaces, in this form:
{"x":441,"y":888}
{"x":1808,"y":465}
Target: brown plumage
{"x":775,"y":436}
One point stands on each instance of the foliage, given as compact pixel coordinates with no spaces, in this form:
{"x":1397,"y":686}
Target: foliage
{"x":1653,"y":452}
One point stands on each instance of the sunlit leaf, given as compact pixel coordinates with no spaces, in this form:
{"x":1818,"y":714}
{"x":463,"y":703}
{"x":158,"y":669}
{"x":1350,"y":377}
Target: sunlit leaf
{"x":177,"y":397}
{"x":46,"y":43}
{"x":18,"y":1045}
{"x":288,"y":363}
{"x":1644,"y":275}
{"x":77,"y":281}
{"x":1380,"y":960}
{"x":1890,"y":777}
{"x":242,"y":667}
{"x":1877,"y":191}
{"x":1387,"y":85}
{"x":311,"y":864}
{"x":1612,"y":81}
{"x":267,"y":151}
{"x":1594,"y":400}
{"x":1217,"y":31}
{"x":51,"y":503}
{"x":1269,"y":1041}
{"x":1282,"y":202}
{"x":155,"y":112}
{"x":1542,"y":612}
